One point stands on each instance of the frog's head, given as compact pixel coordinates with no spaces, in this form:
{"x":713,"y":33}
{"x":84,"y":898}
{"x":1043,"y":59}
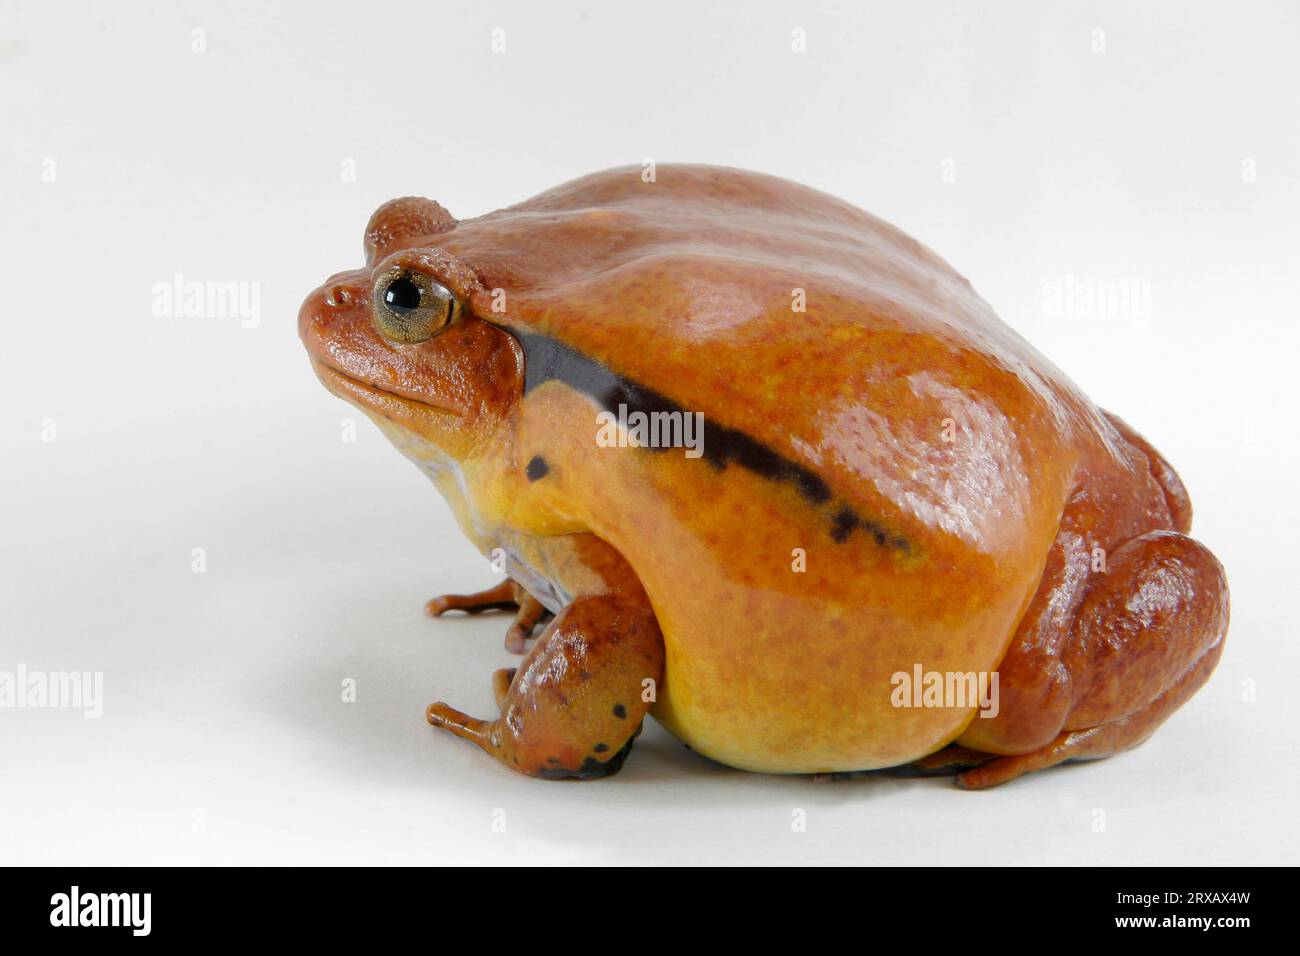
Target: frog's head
{"x":401,"y":338}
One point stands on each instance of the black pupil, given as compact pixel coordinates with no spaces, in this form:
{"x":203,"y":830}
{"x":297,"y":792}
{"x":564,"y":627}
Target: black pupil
{"x":402,"y":296}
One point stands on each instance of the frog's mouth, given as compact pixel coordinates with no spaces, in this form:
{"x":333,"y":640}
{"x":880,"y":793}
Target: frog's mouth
{"x":374,"y":400}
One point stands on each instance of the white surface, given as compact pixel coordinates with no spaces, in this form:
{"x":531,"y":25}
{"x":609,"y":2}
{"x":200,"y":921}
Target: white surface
{"x":223,"y":737}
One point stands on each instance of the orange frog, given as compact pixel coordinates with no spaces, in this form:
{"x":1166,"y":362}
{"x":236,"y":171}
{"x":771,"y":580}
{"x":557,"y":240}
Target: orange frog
{"x":768,"y":461}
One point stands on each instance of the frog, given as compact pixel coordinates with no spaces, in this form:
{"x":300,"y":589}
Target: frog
{"x":885,"y":479}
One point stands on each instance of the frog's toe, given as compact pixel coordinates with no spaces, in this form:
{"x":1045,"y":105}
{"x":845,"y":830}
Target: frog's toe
{"x":947,"y":762}
{"x":461,"y":724}
{"x":502,"y":678}
{"x":503,"y":597}
{"x":531,"y":613}
{"x":509,"y":595}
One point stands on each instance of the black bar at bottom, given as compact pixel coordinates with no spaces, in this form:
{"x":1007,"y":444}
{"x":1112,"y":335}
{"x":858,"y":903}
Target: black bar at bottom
{"x":336,"y":906}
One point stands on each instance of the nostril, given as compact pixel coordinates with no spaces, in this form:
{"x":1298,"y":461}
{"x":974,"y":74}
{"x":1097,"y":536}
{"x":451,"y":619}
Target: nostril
{"x":338,"y":295}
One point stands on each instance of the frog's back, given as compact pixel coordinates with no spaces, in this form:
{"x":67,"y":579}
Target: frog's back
{"x":890,"y":461}
{"x":820,"y":331}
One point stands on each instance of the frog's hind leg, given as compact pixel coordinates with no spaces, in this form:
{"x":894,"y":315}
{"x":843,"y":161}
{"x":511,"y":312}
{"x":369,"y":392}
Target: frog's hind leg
{"x":506,"y":596}
{"x":575,"y":703}
{"x":1146,"y":636}
{"x":1094,"y":743}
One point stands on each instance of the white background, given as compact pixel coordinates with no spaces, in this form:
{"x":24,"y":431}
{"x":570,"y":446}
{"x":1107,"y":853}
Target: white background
{"x":224,"y":739}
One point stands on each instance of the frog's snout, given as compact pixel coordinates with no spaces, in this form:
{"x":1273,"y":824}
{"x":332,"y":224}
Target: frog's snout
{"x":339,"y":303}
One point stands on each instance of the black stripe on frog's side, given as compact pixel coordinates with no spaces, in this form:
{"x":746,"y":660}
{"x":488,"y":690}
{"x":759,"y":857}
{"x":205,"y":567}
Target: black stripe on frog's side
{"x":547,"y":360}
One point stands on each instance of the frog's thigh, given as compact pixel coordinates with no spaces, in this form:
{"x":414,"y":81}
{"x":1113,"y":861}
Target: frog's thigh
{"x":1147,"y":635}
{"x":575,"y":703}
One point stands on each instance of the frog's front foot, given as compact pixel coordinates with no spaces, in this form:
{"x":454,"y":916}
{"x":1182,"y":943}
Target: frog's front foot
{"x":573,"y":707}
{"x":506,"y":596}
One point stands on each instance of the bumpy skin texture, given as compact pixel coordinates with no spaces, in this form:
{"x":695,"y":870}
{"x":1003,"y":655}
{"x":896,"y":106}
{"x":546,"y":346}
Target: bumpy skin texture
{"x":947,"y":488}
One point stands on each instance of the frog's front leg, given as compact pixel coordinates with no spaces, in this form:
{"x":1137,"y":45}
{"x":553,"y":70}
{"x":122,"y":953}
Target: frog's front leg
{"x":1146,"y":635}
{"x":507,"y":595}
{"x":575,"y":703}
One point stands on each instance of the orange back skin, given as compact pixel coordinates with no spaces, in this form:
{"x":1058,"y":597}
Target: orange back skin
{"x":890,"y":463}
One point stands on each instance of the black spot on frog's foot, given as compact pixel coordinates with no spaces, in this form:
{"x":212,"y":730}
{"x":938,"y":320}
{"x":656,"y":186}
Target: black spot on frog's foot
{"x":591,"y":769}
{"x":600,"y":748}
{"x":620,"y":711}
{"x":537,"y":468}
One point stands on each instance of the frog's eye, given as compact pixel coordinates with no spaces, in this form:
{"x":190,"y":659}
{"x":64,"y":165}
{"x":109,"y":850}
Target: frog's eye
{"x":411,"y":307}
